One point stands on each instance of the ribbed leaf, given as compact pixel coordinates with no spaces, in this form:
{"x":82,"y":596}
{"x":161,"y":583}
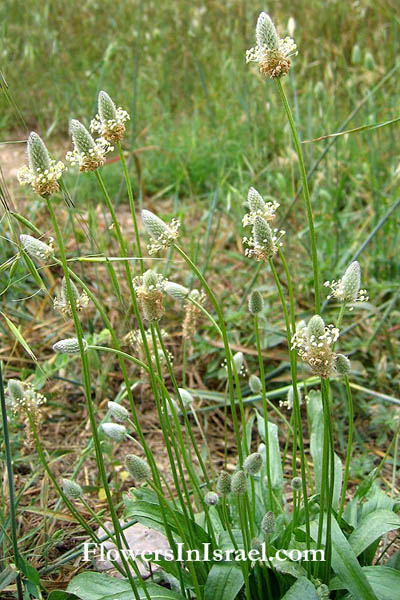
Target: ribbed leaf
{"x":97,"y":586}
{"x":384,"y":581}
{"x":224,"y":582}
{"x":372,"y":527}
{"x":302,"y":589}
{"x":345,"y":563}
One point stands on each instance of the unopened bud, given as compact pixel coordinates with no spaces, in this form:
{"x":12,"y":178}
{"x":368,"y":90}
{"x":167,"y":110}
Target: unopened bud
{"x":117,"y":411}
{"x":138,"y":468}
{"x":256,"y":302}
{"x":253,"y":463}
{"x":114,"y":431}
{"x":69,"y":346}
{"x":255,"y":384}
{"x":211,"y":498}
{"x":268,"y":523}
{"x":239,"y":483}
{"x":224,"y":483}
{"x":343,"y":365}
{"x":71,"y":489}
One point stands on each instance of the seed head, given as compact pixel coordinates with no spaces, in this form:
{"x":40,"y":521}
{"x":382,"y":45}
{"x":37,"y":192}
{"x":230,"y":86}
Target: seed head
{"x":109,"y":123}
{"x":271,"y":52}
{"x":88,"y":153}
{"x":211,"y":498}
{"x":253,"y":463}
{"x":348,"y":289}
{"x":176,"y":291}
{"x":43,"y":173}
{"x":23,"y":400}
{"x":162,"y":235}
{"x":258,"y":207}
{"x":62,"y":302}
{"x":114,"y":431}
{"x":69,"y":346}
{"x":256,"y":302}
{"x":239,"y":483}
{"x":36,"y":248}
{"x":268,"y":523}
{"x":72,"y":490}
{"x":343,"y":365}
{"x":224,"y":483}
{"x":314,"y":344}
{"x":138,"y":468}
{"x":149,"y":289}
{"x":117,"y":411}
{"x":263,"y":242}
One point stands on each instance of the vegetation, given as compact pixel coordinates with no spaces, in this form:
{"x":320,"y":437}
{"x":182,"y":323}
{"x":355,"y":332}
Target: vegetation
{"x":171,"y":355}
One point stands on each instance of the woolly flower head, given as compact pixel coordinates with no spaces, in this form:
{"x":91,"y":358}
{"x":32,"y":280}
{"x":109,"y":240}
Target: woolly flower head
{"x":138,"y":468}
{"x":71,"y":489}
{"x":22,"y":397}
{"x":347,"y":289}
{"x":258,"y":207}
{"x":36,"y":248}
{"x":264,"y":241}
{"x":314,"y":344}
{"x":271,"y":52}
{"x":88,"y":153}
{"x":62,"y":302}
{"x":69,"y":346}
{"x":43,"y":173}
{"x":109,"y":122}
{"x":162,"y":235}
{"x":149,"y":289}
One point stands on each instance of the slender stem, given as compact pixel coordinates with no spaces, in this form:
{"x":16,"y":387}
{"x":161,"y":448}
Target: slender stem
{"x":88,"y":394}
{"x":306,"y":194}
{"x":349,"y":445}
{"x":230,"y":363}
{"x":11,"y":488}
{"x":265,"y":411}
{"x":296,"y":406}
{"x":131,"y":204}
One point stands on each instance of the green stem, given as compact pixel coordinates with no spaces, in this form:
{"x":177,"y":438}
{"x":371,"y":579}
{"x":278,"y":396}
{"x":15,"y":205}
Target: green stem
{"x":131,"y":204}
{"x":229,"y":358}
{"x":306,"y":194}
{"x":265,"y":411}
{"x":296,"y":406}
{"x":11,"y":488}
{"x":349,"y":445}
{"x":88,"y":394}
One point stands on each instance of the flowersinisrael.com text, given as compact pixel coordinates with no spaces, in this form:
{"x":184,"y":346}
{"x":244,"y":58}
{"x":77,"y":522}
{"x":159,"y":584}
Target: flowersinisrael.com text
{"x":101,"y":553}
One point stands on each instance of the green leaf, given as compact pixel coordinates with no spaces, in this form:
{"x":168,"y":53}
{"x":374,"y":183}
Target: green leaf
{"x":372,"y":527}
{"x":98,"y":586}
{"x":303,"y":588}
{"x":224,"y":582}
{"x":61,"y":595}
{"x":345,"y":563}
{"x":17,"y":334}
{"x":316,"y":417}
{"x":7,"y":576}
{"x":384,"y":581}
{"x":148,"y":512}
